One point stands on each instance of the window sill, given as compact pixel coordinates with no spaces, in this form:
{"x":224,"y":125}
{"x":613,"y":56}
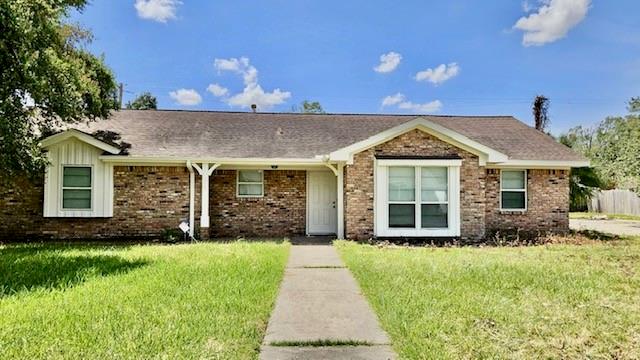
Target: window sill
{"x":513,"y":212}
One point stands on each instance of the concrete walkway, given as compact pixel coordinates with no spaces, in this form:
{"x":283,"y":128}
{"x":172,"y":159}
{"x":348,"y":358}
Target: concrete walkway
{"x":612,"y":226}
{"x":319,"y":300}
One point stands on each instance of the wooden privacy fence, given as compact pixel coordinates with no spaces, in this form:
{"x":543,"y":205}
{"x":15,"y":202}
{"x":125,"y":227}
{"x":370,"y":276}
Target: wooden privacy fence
{"x":615,"y":202}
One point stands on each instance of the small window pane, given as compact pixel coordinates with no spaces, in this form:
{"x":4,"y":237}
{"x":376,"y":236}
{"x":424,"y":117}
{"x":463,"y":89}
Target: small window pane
{"x":76,"y":177}
{"x":513,"y":200}
{"x":513,"y":180}
{"x":250,"y":176}
{"x":434,"y":184}
{"x":434,"y":216}
{"x":402,"y":216}
{"x":402,"y":184}
{"x":250,"y":189}
{"x":76,"y":199}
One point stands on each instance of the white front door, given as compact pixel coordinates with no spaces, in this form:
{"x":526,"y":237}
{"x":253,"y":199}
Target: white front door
{"x":321,"y":203}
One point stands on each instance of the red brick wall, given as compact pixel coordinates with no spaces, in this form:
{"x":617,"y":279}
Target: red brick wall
{"x":280,"y":212}
{"x":149,"y":199}
{"x":146,"y":200}
{"x":359,"y":183}
{"x":548,"y":192}
{"x":547,"y":203}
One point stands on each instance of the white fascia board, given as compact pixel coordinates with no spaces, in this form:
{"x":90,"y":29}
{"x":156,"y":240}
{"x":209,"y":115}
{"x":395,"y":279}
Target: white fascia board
{"x":84,"y":137}
{"x":539,"y":164}
{"x":419,"y":162}
{"x":441,"y":132}
{"x":128,"y":159}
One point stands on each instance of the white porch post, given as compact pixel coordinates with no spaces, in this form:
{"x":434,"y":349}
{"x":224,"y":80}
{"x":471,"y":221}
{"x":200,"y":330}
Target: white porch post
{"x":338,"y":171}
{"x":205,"y":171}
{"x":204,"y":212}
{"x":340,"y":179}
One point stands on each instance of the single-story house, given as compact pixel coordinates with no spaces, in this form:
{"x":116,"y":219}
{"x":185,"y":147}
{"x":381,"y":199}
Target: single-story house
{"x":355,"y":176}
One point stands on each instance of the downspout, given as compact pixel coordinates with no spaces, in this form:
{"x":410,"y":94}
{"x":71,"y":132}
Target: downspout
{"x":192,"y":198}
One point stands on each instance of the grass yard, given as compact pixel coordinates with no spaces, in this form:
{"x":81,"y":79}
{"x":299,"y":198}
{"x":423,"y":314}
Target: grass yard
{"x":554,"y":301}
{"x":591,"y":215}
{"x":144,"y":301}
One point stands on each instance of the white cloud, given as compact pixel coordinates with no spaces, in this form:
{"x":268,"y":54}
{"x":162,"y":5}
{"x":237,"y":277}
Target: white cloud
{"x":392,"y":99}
{"x":157,"y":10}
{"x":429,"y":107}
{"x":186,"y":97}
{"x":252,"y":92}
{"x":388,"y":62}
{"x":440,"y":74}
{"x":403,"y":104}
{"x":552,"y":21}
{"x":217,"y":90}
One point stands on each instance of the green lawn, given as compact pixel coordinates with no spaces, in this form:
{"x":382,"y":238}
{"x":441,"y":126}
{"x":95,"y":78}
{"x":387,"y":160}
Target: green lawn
{"x":124,"y":302}
{"x":555,"y":301}
{"x":591,"y":215}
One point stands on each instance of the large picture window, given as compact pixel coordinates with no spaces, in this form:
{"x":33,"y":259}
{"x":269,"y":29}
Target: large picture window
{"x":417,"y":197}
{"x":76,"y":188}
{"x":250,"y":183}
{"x":513,"y":189}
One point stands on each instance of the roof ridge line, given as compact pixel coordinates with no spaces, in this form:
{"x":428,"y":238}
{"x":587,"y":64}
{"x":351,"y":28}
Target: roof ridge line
{"x":325,"y":114}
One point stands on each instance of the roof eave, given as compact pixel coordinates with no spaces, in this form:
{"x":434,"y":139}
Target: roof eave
{"x":540,"y":164}
{"x":80,"y":135}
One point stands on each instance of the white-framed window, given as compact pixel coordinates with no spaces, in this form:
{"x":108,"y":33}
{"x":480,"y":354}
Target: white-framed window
{"x":513,"y":190}
{"x":250,"y":183}
{"x":434,"y":197}
{"x":417,"y":197}
{"x":77,"y":185}
{"x":402,"y":197}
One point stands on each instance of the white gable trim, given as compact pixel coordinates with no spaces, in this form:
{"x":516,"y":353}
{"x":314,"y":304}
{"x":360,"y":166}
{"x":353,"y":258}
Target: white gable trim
{"x":73,"y":133}
{"x":485,"y":153}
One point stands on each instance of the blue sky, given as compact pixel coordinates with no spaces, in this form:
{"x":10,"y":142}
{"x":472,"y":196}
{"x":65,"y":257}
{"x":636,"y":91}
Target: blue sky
{"x":584,"y":55}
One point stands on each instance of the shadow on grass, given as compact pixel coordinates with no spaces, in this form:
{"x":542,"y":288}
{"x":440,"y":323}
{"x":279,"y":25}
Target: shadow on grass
{"x":30,"y":268}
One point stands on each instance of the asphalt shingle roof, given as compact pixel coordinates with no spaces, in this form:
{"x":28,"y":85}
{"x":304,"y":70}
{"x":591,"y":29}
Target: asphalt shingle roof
{"x":183,"y":134}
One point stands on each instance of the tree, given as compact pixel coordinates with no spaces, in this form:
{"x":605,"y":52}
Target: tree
{"x":309,"y":107}
{"x":540,"y":112}
{"x":585,"y":180}
{"x":144,"y":101}
{"x":612,"y":147}
{"x":47,"y":79}
{"x":634,"y":105}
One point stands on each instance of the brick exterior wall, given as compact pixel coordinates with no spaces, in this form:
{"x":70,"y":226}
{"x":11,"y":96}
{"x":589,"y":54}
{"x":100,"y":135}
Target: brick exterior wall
{"x":359,"y":183}
{"x":548,"y":192}
{"x":280,"y":212}
{"x":150,"y":199}
{"x":547,"y":203}
{"x":146,"y":201}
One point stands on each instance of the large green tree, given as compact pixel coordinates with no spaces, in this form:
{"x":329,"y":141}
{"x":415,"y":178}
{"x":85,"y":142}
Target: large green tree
{"x":144,"y":101}
{"x":47,"y":79}
{"x":613,"y":146}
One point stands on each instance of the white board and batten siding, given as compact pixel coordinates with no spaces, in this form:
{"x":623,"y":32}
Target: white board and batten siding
{"x":73,"y":152}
